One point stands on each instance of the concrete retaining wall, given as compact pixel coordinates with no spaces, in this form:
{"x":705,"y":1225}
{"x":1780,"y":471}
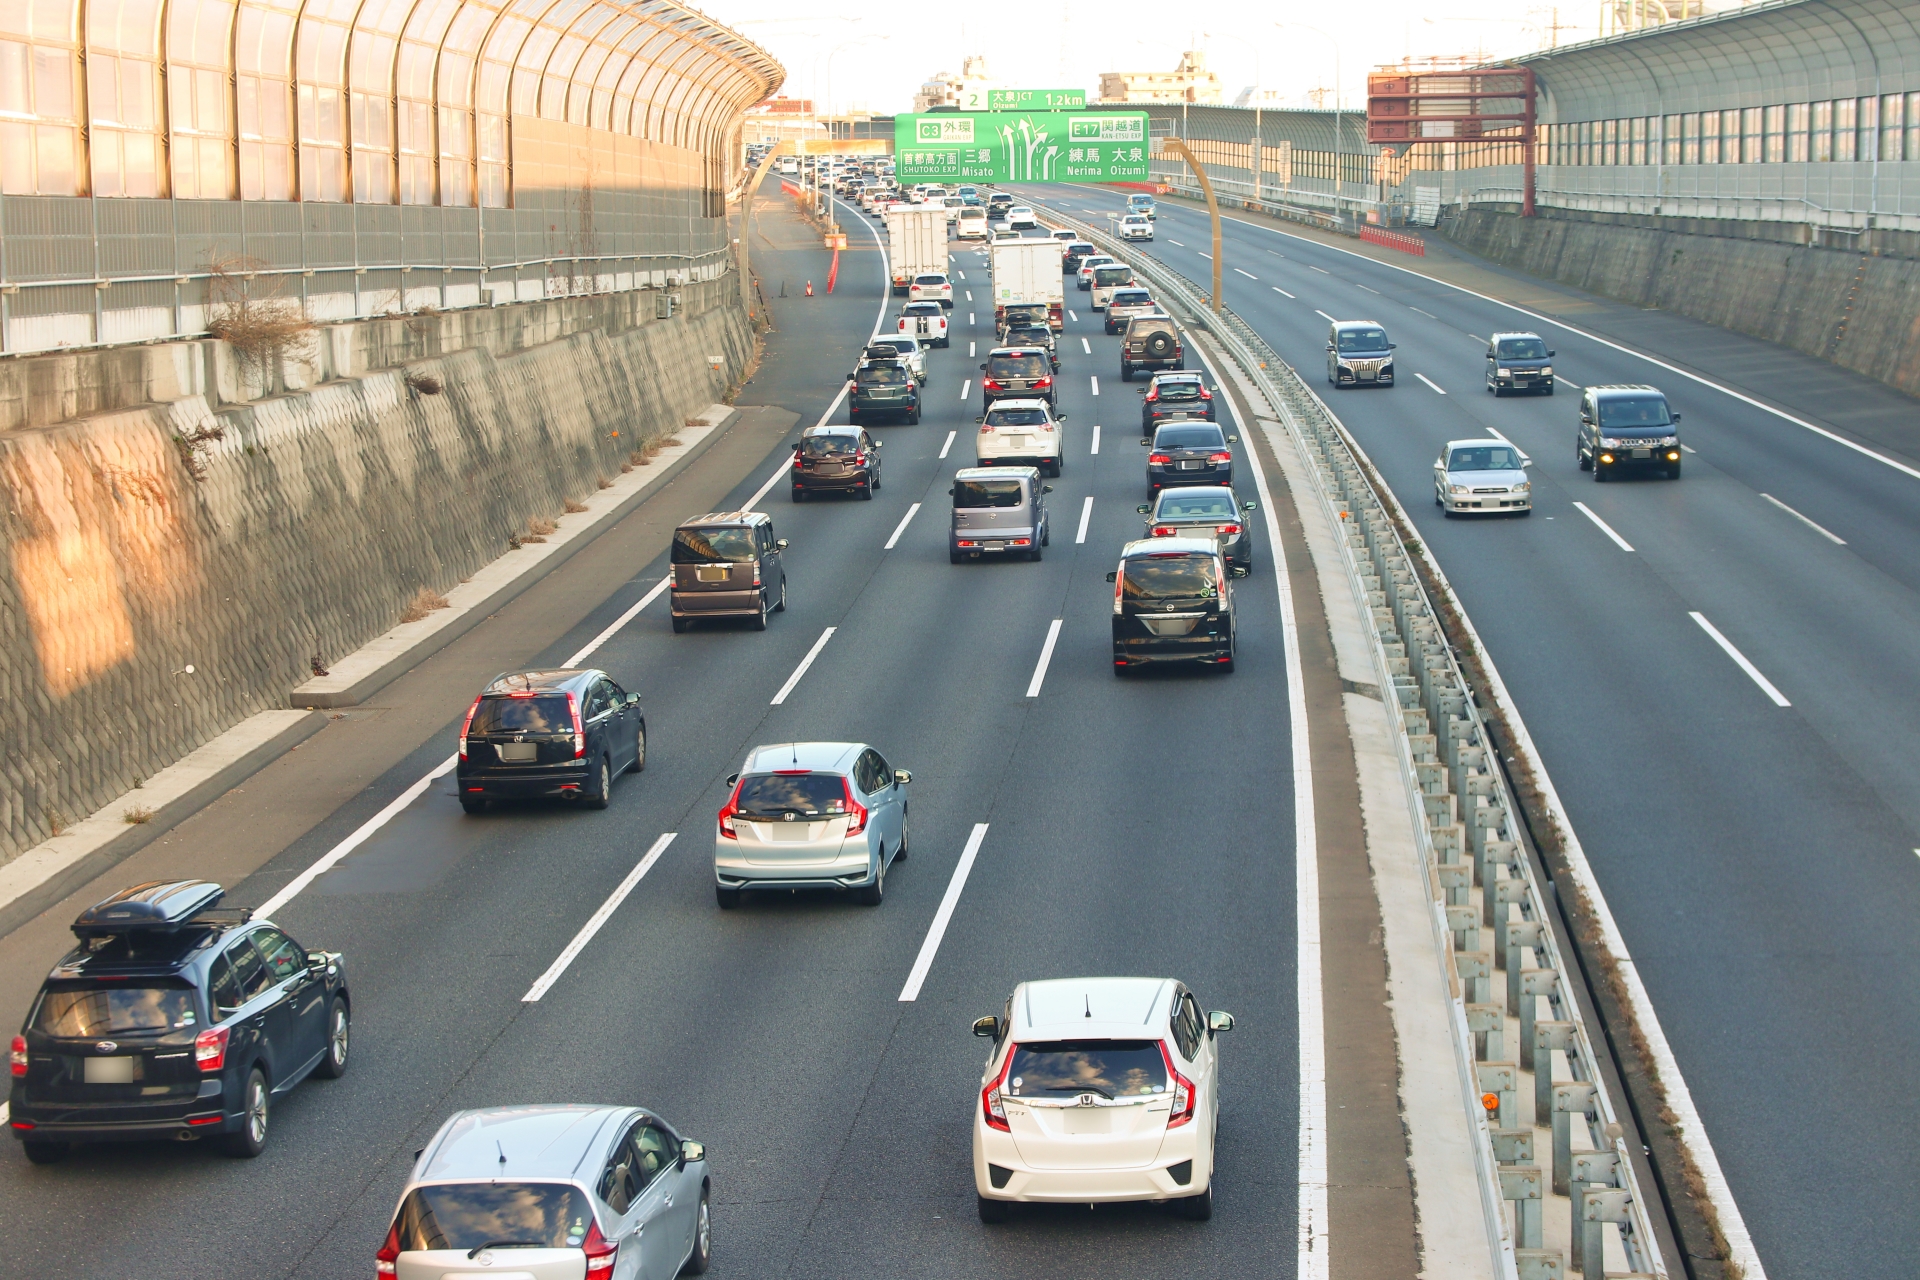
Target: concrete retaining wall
{"x":1858,"y":310}
{"x":169,"y":569}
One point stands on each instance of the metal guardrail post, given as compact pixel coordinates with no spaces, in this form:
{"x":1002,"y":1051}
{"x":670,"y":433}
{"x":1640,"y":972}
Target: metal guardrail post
{"x":1570,"y":1098}
{"x":1598,"y":1206}
{"x":1522,"y":1187}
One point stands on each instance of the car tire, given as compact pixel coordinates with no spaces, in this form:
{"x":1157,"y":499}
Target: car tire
{"x":46,"y":1152}
{"x":639,"y":749}
{"x":1194,"y":1208}
{"x":1035,"y":552}
{"x":603,"y":790}
{"x":333,"y":1063}
{"x":472,"y":804}
{"x":900,"y":854}
{"x":781,"y":606}
{"x":1126,"y":372}
{"x":679,"y":625}
{"x":1495,"y":388}
{"x":758,"y":622}
{"x":954,"y":557}
{"x":874,"y":894}
{"x":1580,"y":459}
{"x":727,"y":898}
{"x":701,"y":1256}
{"x":866,"y":491}
{"x":1437,"y":500}
{"x":1599,"y":472}
{"x":256,"y":1115}
{"x":799,"y":495}
{"x":1549,"y":389}
{"x":993,"y":1212}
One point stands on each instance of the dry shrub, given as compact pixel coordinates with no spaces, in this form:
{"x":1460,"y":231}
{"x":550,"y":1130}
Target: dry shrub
{"x":625,"y":467}
{"x":574,"y":508}
{"x":603,"y":483}
{"x":538,"y":528}
{"x":424,"y":602}
{"x":137,"y":815}
{"x":670,"y":442}
{"x":189,"y":447}
{"x":423,"y":384}
{"x":248,"y":314}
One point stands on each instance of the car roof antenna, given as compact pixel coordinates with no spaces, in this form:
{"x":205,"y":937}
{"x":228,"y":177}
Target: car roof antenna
{"x":1089,"y":999}
{"x":502,"y":1150}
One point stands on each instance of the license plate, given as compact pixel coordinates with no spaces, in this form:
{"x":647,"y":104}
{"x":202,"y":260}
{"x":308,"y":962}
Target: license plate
{"x":517,"y":752}
{"x":1189,"y":466}
{"x":995,"y":546}
{"x":714,"y":572}
{"x":108,"y":1070}
{"x":1085,"y":1120}
{"x":1018,"y":442}
{"x":1643,"y":453}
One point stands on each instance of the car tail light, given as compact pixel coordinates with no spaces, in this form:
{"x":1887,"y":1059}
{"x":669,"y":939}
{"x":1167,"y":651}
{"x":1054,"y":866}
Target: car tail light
{"x":210,"y":1049}
{"x":1163,"y":531}
{"x":1042,"y":382}
{"x":1119,"y":585}
{"x":1182,"y":1089}
{"x":579,"y":730}
{"x":1227,"y":529}
{"x":859,"y":460}
{"x":728,"y":814}
{"x":601,"y":1252}
{"x":17,"y":1056}
{"x":1153,"y":395}
{"x":1019,"y":542}
{"x":1205,"y":394}
{"x":992,"y":1109}
{"x":1160,"y":457}
{"x":1219,"y":457}
{"x":385,"y":1261}
{"x":465,"y":725}
{"x":988,"y":384}
{"x":856,"y":812}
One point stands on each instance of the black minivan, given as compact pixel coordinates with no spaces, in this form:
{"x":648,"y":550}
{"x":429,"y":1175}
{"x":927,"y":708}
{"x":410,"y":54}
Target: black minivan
{"x":549,"y":733}
{"x":1173,"y":602}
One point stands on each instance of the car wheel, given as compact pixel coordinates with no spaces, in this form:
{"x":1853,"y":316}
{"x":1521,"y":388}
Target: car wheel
{"x":603,"y":789}
{"x":1549,"y":389}
{"x":799,"y":495}
{"x":874,"y":894}
{"x":256,"y":1113}
{"x":1580,"y":459}
{"x":473,"y":804}
{"x":900,"y":854}
{"x":866,"y":491}
{"x":45,"y":1152}
{"x":1034,"y":552}
{"x":994,"y":1211}
{"x":782,"y":606}
{"x":679,"y":625}
{"x":727,"y":898}
{"x":1599,"y":472}
{"x":1495,"y":388}
{"x":954,"y":557}
{"x":702,"y":1256}
{"x":1437,"y":500}
{"x":339,"y":1041}
{"x":1126,"y":372}
{"x":1194,"y":1208}
{"x":639,"y":749}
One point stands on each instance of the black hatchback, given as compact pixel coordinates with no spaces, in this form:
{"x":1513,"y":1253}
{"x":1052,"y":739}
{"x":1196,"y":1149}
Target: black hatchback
{"x":549,"y":733}
{"x":175,"y":1018}
{"x":1175,"y":397}
{"x":1189,"y":453}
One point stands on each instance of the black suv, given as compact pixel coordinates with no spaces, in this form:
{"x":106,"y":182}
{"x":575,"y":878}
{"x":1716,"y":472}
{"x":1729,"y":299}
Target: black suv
{"x":549,"y":733}
{"x":883,"y":388}
{"x":1627,"y":428}
{"x":1078,"y":251}
{"x":1174,"y":397}
{"x":174,"y":1018}
{"x":835,"y":459}
{"x":1018,"y":373}
{"x":1173,"y":602}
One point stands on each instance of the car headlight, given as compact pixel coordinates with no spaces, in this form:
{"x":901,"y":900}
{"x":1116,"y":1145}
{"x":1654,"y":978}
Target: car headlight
{"x":1546,"y":371}
{"x":1504,"y":373}
{"x":1524,"y":486}
{"x":1457,"y":488}
{"x":1608,"y":442}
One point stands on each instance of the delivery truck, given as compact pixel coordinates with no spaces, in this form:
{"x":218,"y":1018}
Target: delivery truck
{"x":916,"y":242}
{"x":1027,"y":272}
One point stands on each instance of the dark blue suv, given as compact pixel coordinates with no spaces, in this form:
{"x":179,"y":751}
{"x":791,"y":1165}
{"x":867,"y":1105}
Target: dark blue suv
{"x":174,"y":1018}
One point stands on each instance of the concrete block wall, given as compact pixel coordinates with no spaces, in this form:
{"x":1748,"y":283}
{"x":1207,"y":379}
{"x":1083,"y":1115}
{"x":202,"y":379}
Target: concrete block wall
{"x":155,"y":591}
{"x":1861,"y":311}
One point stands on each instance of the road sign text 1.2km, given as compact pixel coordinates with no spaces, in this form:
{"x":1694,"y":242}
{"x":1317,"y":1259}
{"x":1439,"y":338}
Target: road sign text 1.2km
{"x":1036,"y":99}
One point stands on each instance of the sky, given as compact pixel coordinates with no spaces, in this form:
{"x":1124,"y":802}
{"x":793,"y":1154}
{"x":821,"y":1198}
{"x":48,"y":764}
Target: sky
{"x":874,"y":58}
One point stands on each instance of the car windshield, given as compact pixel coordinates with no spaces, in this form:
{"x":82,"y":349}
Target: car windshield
{"x":1168,"y":576}
{"x":971,"y":494}
{"x":1110,"y":1068}
{"x":1522,"y":349}
{"x":546,"y":713}
{"x":1023,"y":366}
{"x":929,"y":279}
{"x":1363,"y":340}
{"x":1017,"y":418}
{"x":773,"y":795}
{"x":1635,"y":411}
{"x":881,"y":375}
{"x":1178,"y":506}
{"x":704,"y":546}
{"x":1195,"y":437}
{"x":1118,"y":274}
{"x":90,"y":1011}
{"x":1484,"y":457}
{"x":540,"y":1215}
{"x":830,"y":444}
{"x":1178,"y":390}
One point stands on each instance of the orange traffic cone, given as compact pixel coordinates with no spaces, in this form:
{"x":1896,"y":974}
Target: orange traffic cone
{"x":809,"y":288}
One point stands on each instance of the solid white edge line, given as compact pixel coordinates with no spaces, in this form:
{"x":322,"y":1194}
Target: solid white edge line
{"x":1430,"y":382}
{"x":613,"y":627}
{"x":901,"y":527}
{"x":1740,"y":660}
{"x":1086,"y":514}
{"x":1095,"y":379}
{"x":1313,"y":1213}
{"x":1603,"y":526}
{"x":801,"y":670}
{"x":1096,"y":439}
{"x":1820,"y":529}
{"x":1761,"y":405}
{"x":1282,"y":292}
{"x":1323,"y":315}
{"x":938,"y":929}
{"x":949,"y":444}
{"x":545,"y":981}
{"x":965,"y":387}
{"x":1046,"y":656}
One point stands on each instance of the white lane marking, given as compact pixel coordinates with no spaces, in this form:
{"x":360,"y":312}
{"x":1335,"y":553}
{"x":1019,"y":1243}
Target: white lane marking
{"x":1046,"y":656}
{"x":1496,"y":433}
{"x":801,"y":670}
{"x":1766,"y":685}
{"x":1248,"y":274}
{"x":938,"y":929}
{"x":1096,"y":439}
{"x":1356,"y":284}
{"x":1323,"y":315}
{"x":1685,"y":448}
{"x":1603,"y":526}
{"x":1086,"y":514}
{"x":969,"y":294}
{"x":965,"y":386}
{"x":901,"y":527}
{"x":949,"y":444}
{"x":963,"y":275}
{"x":1577,"y":387}
{"x":970,"y":350}
{"x":1322,"y":270}
{"x":1428,"y":314}
{"x":1095,"y":379}
{"x":1430,"y":382}
{"x":970,"y":319}
{"x":1176,"y":242}
{"x":1203,"y":253}
{"x":544,"y":983}
{"x":1074,"y":316}
{"x":1282,"y":292}
{"x":1822,"y":530}
{"x":1086,"y":346}
{"x":1311,"y":1031}
{"x":1476,"y":337}
{"x":620,"y":621}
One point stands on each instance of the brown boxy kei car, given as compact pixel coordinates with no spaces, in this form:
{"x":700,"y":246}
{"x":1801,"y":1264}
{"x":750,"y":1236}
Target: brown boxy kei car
{"x":726,"y":564}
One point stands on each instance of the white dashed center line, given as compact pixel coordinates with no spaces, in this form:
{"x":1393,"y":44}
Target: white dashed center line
{"x":801,"y":670}
{"x":1358,"y":285}
{"x":1071,"y":316}
{"x":1282,"y":292}
{"x":1046,"y":656}
{"x":1603,"y":526}
{"x":1086,"y":346}
{"x":1323,"y":315}
{"x":901,"y":527}
{"x":1430,"y":382}
{"x":1322,"y":270}
{"x":949,"y":444}
{"x":1248,"y":274}
{"x":1726,"y":645}
{"x":1096,"y":439}
{"x":965,"y":387}
{"x":1095,"y":379}
{"x":938,"y":929}
{"x":1176,"y":242}
{"x":1086,"y":514}
{"x":1428,"y":314}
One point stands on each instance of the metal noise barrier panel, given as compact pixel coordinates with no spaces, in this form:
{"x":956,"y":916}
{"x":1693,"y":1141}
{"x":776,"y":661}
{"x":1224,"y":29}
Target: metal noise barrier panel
{"x":1559,"y":1187}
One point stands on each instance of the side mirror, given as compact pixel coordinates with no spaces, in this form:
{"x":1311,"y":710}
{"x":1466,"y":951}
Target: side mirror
{"x":1233,"y":439}
{"x":1551,"y":353}
{"x":633,"y":699}
{"x":1239,"y":571}
{"x":981,"y":418}
{"x":1146,"y":444}
{"x":780,"y":544}
{"x":1393,"y":346}
{"x":950,"y":489}
{"x":1676,"y":417}
{"x":1329,"y":346}
{"x":902,"y":777}
{"x":1586,"y":417}
{"x":1213,"y":388}
{"x":1218,"y":1020}
{"x":695,"y":1152}
{"x":1046,"y":488}
{"x":1144,"y":509}
{"x":1140,"y":391}
{"x":987,"y":1028}
{"x":317,"y":960}
{"x":983,"y":366}
{"x":1113,"y":575}
{"x":1059,"y":417}
{"x":878,"y":443}
{"x":1249,"y":505}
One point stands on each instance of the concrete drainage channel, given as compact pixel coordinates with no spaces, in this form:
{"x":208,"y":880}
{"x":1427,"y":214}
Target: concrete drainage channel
{"x":1561,"y":1167}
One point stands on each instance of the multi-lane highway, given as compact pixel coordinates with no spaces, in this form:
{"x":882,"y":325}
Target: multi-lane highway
{"x":1130,"y":827}
{"x":1721,"y":676}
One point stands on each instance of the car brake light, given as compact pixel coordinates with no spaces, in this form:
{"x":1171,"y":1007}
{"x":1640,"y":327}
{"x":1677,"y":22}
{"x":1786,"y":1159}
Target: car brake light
{"x":1228,"y":529}
{"x":1153,"y":395}
{"x":728,"y":813}
{"x":210,"y":1049}
{"x":388,"y":1258}
{"x":1182,"y":1093}
{"x":1042,"y":382}
{"x":465,"y":725}
{"x":989,"y":384}
{"x":859,"y":460}
{"x":601,"y":1252}
{"x":992,"y":1109}
{"x":1219,"y":457}
{"x":1163,"y":531}
{"x":1159,"y":457}
{"x":579,"y":730}
{"x":1119,"y":585}
{"x":856,"y":812}
{"x":1205,"y":394}
{"x":17,"y":1056}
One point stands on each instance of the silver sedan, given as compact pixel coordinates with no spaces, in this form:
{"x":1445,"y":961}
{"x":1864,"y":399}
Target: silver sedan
{"x":1482,"y":476}
{"x":811,"y":815}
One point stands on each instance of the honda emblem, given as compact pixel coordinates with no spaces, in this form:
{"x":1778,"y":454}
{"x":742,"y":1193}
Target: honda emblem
{"x":105,"y":1046}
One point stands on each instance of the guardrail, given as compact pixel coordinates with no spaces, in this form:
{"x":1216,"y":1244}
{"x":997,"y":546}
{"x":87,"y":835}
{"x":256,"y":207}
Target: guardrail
{"x":1395,"y":240}
{"x":1549,"y":1137}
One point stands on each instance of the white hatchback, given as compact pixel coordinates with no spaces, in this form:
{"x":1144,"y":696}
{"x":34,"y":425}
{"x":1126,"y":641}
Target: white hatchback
{"x":1098,"y":1089}
{"x":1020,"y":433}
{"x":931,"y":286}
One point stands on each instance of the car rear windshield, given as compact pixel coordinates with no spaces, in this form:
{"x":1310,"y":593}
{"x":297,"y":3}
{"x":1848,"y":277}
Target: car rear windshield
{"x":544,"y":1215}
{"x":1194,"y":437}
{"x":1179,"y":390}
{"x":974,"y":494}
{"x":1176,"y":506}
{"x":1168,"y":576}
{"x":830,"y":445}
{"x":1029,"y":366}
{"x":1104,"y":276}
{"x":1130,"y":298}
{"x":84,"y":1012}
{"x":705,"y":546}
{"x":1110,"y":1068}
{"x":881,"y":375}
{"x":772,"y":795}
{"x":1017,"y":418}
{"x":1492,"y":457}
{"x":1635,"y":411}
{"x":1522,"y":349}
{"x":929,"y":279}
{"x":1355,"y":340}
{"x":1079,"y":249}
{"x":1035,"y":334}
{"x":547,"y":713}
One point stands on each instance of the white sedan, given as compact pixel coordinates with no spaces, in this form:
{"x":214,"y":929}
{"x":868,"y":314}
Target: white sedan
{"x":1482,"y":475}
{"x":1020,"y":433}
{"x":1098,"y":1089}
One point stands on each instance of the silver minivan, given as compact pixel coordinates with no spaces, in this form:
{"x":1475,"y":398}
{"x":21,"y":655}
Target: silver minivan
{"x":998,"y":511}
{"x":811,"y":815}
{"x":552,"y":1192}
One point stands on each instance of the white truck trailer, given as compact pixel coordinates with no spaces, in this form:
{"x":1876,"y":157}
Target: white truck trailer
{"x":1028,"y":272}
{"x":916,"y":242}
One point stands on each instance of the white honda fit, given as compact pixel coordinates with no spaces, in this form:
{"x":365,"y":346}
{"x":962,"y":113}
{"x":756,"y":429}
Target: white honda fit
{"x":1098,"y":1089}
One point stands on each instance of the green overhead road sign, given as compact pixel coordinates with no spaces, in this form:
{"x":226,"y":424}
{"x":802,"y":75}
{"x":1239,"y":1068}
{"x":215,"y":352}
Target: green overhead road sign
{"x":1036,"y":99}
{"x":1022,"y":146}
